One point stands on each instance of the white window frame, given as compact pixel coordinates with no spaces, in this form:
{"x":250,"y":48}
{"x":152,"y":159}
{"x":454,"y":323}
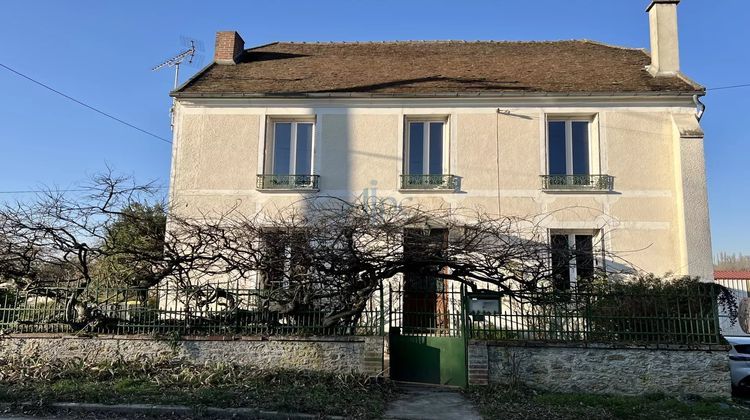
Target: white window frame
{"x":593,"y":139}
{"x":597,"y":249}
{"x":271,"y":144}
{"x":426,"y":143}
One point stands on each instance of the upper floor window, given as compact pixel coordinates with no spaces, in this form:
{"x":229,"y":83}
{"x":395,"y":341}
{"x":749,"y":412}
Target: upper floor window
{"x":291,"y":150}
{"x":424,"y":147}
{"x":568,"y":147}
{"x":573,"y":156}
{"x":426,"y":155}
{"x":289,"y":156}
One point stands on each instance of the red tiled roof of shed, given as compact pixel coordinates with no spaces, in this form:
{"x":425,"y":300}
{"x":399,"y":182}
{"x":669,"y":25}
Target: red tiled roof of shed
{"x":731,"y":275}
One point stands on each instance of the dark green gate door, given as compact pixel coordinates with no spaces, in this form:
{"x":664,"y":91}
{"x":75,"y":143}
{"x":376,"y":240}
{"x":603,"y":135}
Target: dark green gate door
{"x":432,"y":360}
{"x":426,"y":339}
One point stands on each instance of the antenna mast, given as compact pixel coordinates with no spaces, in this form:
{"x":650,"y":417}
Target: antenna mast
{"x":175,"y":62}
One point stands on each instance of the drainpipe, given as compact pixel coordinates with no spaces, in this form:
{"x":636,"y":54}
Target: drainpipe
{"x":700,"y":107}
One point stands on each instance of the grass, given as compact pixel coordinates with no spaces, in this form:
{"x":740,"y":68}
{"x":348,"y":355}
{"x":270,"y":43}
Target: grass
{"x":500,"y":402}
{"x":225,"y":386}
{"x":351,"y":396}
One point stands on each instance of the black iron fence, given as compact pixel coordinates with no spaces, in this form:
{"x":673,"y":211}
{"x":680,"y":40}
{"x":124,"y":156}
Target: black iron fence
{"x":207,"y":309}
{"x":606,"y":316}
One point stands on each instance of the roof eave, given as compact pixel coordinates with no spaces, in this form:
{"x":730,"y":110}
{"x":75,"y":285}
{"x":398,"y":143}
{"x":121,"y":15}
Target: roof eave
{"x":298,"y":95}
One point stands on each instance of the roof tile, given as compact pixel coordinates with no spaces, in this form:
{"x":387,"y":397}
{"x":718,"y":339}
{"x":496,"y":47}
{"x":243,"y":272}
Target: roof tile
{"x":731,"y":275}
{"x":434,"y":67}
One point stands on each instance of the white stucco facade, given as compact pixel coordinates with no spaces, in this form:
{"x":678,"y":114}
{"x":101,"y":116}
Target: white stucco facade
{"x":656,"y":217}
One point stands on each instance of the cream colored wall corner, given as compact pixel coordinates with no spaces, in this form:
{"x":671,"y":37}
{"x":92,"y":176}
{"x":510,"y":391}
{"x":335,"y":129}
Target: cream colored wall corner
{"x":692,"y":199}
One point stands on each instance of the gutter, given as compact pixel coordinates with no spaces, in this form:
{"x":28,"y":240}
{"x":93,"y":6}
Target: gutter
{"x":299,"y":95}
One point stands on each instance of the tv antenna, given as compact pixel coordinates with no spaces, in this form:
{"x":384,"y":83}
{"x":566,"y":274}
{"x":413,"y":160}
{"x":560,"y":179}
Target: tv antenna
{"x":188,"y":56}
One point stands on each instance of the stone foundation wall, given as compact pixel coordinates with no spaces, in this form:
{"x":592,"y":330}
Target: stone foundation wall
{"x":340,"y":354}
{"x":604,"y":369}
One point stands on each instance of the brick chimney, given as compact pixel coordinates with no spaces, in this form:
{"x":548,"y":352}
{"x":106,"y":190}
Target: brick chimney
{"x":665,"y":47}
{"x":229,"y":46}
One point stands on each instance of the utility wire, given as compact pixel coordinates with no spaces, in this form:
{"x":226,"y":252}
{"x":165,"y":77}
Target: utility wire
{"x":85,"y":105}
{"x":729,"y":87}
{"x":169,"y":141}
{"x":55,"y":190}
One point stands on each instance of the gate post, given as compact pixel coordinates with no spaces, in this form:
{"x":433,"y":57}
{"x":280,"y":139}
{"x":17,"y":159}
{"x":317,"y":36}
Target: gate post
{"x":382,"y":311}
{"x":373,"y":362}
{"x":478,"y":363}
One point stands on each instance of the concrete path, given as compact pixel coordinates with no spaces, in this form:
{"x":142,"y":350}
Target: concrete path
{"x":426,"y":402}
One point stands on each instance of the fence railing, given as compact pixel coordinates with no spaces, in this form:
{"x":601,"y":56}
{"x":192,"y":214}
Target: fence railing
{"x":438,"y":311}
{"x":687,"y":317}
{"x":163,"y":309}
{"x":429,"y":182}
{"x":604,"y":316}
{"x":287,"y":182}
{"x":578,"y":182}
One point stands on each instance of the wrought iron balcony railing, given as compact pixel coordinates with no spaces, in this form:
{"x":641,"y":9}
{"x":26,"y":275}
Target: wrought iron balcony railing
{"x":578,"y":182}
{"x":429,"y":182}
{"x":288,"y":182}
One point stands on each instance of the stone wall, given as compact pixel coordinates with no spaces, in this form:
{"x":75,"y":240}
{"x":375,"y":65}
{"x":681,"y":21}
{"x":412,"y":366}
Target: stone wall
{"x":604,"y":369}
{"x":339,"y":354}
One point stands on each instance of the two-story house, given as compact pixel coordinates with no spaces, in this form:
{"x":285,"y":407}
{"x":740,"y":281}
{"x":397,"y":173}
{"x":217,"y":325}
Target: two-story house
{"x":602,"y":140}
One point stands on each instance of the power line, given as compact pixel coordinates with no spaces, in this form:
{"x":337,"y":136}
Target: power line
{"x":729,"y":87}
{"x":85,"y":105}
{"x":56,"y":190}
{"x":37,"y":191}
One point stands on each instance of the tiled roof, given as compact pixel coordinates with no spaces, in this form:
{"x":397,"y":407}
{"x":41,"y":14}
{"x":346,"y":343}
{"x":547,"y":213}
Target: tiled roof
{"x":731,"y":275}
{"x":434,"y":68}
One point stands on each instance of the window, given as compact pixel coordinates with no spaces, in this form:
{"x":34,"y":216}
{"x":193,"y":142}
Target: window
{"x":572,"y":258}
{"x":568,"y":147}
{"x":573,"y":156}
{"x":284,"y":258}
{"x":289,"y":156}
{"x":424,"y":148}
{"x":426,"y":155}
{"x":292,"y":148}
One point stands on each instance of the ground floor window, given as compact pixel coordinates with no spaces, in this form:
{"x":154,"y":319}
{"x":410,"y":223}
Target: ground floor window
{"x":285,"y":258}
{"x":572,"y":257}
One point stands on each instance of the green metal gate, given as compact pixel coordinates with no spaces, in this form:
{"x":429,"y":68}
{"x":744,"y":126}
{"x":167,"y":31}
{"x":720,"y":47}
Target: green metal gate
{"x":427,"y":342}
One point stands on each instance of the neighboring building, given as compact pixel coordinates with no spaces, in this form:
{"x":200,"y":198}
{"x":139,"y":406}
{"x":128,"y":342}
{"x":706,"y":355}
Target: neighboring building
{"x":739,"y":283}
{"x":602,"y":140}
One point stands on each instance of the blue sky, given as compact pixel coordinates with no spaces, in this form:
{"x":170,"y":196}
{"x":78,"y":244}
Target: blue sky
{"x":101,"y":52}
